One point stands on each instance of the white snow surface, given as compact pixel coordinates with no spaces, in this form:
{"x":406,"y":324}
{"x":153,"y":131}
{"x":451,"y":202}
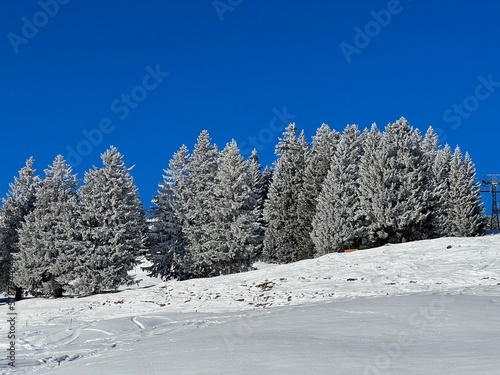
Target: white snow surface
{"x":426,"y":307}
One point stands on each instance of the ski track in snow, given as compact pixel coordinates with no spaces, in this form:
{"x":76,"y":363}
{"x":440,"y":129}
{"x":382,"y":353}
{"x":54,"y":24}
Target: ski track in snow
{"x":137,"y":323}
{"x":54,"y":331}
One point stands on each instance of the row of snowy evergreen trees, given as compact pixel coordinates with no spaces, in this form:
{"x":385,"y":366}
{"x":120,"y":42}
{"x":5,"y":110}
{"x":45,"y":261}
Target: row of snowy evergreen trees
{"x":217,"y":213}
{"x":56,"y":237}
{"x":207,"y":216}
{"x":365,"y":189}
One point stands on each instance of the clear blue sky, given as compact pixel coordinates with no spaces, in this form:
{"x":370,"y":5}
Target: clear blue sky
{"x":101,"y":67}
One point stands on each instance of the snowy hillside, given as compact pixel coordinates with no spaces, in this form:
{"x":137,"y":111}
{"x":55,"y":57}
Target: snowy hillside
{"x":415,"y":308}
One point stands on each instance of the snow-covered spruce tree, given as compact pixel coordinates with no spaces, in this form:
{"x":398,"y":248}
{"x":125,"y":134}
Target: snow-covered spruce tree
{"x":394,"y":187}
{"x":166,"y":240}
{"x":408,"y":176}
{"x":260,"y":186}
{"x":199,"y":205}
{"x":430,"y":143}
{"x":267,"y":178}
{"x":113,"y":228}
{"x":318,"y":162}
{"x":441,"y":176}
{"x":338,"y":223}
{"x":372,"y":186}
{"x":49,"y":234}
{"x":20,"y":201}
{"x":422,"y":225}
{"x":234,"y":229}
{"x":305,"y":245}
{"x":466,"y":209}
{"x":430,"y":148}
{"x":284,"y":237}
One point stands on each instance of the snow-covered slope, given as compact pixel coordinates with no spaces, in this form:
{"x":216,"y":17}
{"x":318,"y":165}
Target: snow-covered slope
{"x":422,"y":307}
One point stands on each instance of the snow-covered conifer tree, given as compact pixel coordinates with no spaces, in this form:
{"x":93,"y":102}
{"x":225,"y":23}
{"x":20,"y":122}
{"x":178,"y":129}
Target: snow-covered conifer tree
{"x":113,"y":227}
{"x":317,"y":166}
{"x":305,"y":247}
{"x":234,"y":229}
{"x":199,"y":204}
{"x":166,"y":240}
{"x":422,"y":176}
{"x":430,"y":148}
{"x":395,"y":199}
{"x":465,"y":206}
{"x":407,"y":209}
{"x":49,"y":234}
{"x":441,"y":176}
{"x":284,"y":236}
{"x":372,"y":186}
{"x":20,"y":201}
{"x":260,"y":187}
{"x":430,"y":143}
{"x":338,"y":223}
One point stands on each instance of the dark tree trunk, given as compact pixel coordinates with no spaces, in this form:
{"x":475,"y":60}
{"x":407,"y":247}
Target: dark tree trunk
{"x":58,"y":293}
{"x":18,"y":294}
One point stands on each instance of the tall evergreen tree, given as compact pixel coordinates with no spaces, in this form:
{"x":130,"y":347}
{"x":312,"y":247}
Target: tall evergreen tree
{"x":338,"y":223}
{"x":441,"y":175}
{"x":421,"y":225}
{"x":397,"y":198}
{"x":430,"y":148}
{"x":167,"y":243}
{"x":49,"y":233}
{"x":305,"y":247}
{"x":406,"y":212}
{"x":465,"y":209}
{"x":260,"y":186}
{"x":318,"y":162}
{"x":372,"y":188}
{"x":234,"y":229}
{"x":284,"y":236}
{"x":113,"y":226}
{"x":20,"y":201}
{"x":199,"y":204}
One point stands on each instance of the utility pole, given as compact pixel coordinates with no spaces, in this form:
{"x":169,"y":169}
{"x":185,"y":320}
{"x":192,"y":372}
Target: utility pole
{"x":489,"y":184}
